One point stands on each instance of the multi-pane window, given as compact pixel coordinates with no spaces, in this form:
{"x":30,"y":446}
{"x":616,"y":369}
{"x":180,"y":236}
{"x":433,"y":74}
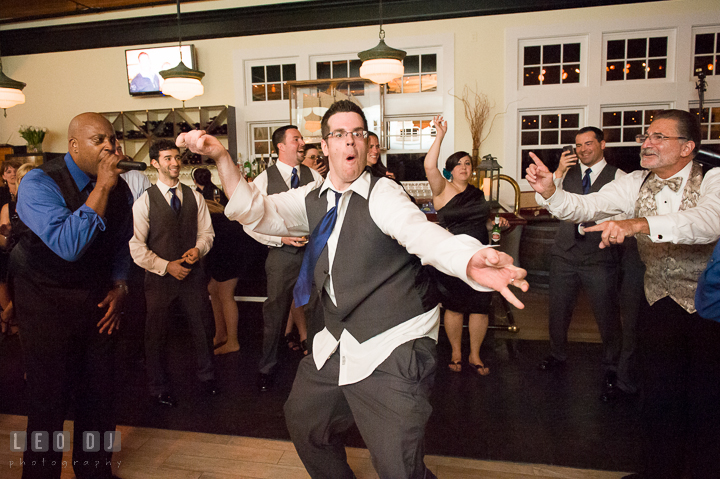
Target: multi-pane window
{"x":636,"y":58}
{"x":269,"y":82}
{"x":709,"y":123}
{"x":545,"y":134}
{"x":262,"y":141}
{"x":622,"y":125}
{"x":551,"y":64}
{"x":342,"y":69}
{"x":707,"y":53}
{"x":407,"y":134}
{"x":420,"y":75}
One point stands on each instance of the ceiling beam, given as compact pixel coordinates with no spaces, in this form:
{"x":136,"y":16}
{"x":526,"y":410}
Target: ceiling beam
{"x":265,"y":19}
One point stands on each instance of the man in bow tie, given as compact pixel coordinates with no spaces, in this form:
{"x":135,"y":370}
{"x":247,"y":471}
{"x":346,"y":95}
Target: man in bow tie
{"x":674,"y":212}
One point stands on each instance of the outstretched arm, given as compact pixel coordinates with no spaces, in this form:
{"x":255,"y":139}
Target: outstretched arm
{"x":201,"y":143}
{"x":435,"y":178}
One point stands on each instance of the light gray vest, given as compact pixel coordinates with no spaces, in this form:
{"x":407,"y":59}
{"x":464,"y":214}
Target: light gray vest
{"x":566,"y":237}
{"x":377,"y":283}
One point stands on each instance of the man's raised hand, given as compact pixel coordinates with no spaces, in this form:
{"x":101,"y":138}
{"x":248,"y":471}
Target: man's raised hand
{"x":201,"y":143}
{"x":539,"y":177}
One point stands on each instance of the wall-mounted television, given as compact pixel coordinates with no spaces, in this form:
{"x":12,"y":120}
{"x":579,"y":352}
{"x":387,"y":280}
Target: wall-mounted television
{"x":144,"y":64}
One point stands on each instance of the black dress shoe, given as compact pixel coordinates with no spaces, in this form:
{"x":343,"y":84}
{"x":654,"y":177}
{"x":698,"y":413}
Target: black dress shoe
{"x":610,"y":380}
{"x":165,"y":399}
{"x":264,"y":382}
{"x":550,"y":362}
{"x":616,"y":394}
{"x":210,"y":387}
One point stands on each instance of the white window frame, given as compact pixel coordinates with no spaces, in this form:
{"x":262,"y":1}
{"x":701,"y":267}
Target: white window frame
{"x":264,"y":63}
{"x":699,"y":31}
{"x":533,"y":42}
{"x":626,"y":107}
{"x":670,"y":33}
{"x":710,"y":105}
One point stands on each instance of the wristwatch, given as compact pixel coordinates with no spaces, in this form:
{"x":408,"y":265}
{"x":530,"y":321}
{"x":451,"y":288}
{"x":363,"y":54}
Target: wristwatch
{"x":122,"y":286}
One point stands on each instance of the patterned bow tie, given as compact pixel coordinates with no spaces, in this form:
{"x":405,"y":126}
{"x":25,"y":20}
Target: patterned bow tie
{"x":656,"y":184}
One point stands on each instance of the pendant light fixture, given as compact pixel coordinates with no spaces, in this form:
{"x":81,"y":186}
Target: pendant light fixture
{"x":181,"y":82}
{"x":382,"y":63}
{"x":10,"y":91}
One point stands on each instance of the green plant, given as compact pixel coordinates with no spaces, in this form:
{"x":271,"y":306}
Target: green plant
{"x":33,"y":135}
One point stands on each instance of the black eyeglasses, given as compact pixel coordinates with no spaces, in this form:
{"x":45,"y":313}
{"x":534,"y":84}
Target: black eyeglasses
{"x":340,"y":134}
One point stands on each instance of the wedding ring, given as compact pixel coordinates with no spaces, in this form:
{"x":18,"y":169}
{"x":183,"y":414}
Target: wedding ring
{"x":512,"y":280}
{"x":613,"y":237}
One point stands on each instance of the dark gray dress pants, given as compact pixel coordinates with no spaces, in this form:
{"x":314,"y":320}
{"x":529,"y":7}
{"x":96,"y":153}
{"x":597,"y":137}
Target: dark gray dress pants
{"x":282,"y":269}
{"x":598,"y":275}
{"x":390,"y":408}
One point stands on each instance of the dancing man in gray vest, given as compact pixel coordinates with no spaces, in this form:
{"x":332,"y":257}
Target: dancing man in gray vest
{"x":286,"y":252}
{"x":173,"y":231}
{"x":374,"y":362}
{"x":674,"y":212}
{"x":577,"y":261}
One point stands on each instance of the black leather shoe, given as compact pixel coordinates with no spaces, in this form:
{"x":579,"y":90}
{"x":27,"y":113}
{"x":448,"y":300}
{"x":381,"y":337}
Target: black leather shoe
{"x":616,"y":394}
{"x":210,"y":387}
{"x":264,"y":382}
{"x":165,"y":399}
{"x":610,"y":380}
{"x":550,"y":362}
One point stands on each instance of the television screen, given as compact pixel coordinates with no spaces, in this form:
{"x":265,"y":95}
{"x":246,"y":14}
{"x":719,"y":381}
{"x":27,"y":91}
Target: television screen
{"x":144,"y":64}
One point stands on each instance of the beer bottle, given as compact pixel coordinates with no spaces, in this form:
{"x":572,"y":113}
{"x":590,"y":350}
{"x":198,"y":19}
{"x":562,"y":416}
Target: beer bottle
{"x":495,"y":236}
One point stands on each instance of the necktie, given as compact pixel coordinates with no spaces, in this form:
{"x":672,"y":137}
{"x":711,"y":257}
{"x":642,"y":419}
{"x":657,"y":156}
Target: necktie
{"x":174,"y":201}
{"x":586,"y":181}
{"x":317,"y":242}
{"x":655,"y":185}
{"x":294,"y":180}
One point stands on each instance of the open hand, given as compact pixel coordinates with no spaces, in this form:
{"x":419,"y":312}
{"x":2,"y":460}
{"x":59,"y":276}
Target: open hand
{"x":113,"y":302}
{"x":494,"y":269}
{"x":615,"y":232}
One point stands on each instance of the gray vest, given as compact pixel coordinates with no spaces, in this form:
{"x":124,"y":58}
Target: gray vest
{"x":377,"y":283}
{"x":567,"y":237}
{"x":276,"y":184}
{"x":171,"y":235}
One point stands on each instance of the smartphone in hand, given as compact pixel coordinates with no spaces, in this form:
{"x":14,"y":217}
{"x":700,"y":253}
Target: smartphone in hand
{"x":570,"y":149}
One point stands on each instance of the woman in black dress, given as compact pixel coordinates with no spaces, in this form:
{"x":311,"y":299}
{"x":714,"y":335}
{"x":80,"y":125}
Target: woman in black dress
{"x":461,"y":209}
{"x":224,"y":263}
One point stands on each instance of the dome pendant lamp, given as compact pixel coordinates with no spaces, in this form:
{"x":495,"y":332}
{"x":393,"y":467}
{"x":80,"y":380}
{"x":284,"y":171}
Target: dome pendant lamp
{"x":382,"y":63}
{"x":181,"y":82}
{"x":10,"y":91}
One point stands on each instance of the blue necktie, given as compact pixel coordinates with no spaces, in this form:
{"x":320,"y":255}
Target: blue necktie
{"x":586,"y":181}
{"x":174,"y":201}
{"x":294,"y":180}
{"x":317,"y":242}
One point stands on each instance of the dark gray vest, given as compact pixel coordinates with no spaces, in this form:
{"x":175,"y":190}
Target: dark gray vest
{"x":566,"y":237}
{"x":276,"y":184}
{"x":377,"y":283}
{"x":171,"y":235}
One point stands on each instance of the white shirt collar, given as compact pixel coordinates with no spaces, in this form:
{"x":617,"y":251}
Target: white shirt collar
{"x":361,"y":185}
{"x":287,"y":169}
{"x":596,"y":168}
{"x":165,"y":188}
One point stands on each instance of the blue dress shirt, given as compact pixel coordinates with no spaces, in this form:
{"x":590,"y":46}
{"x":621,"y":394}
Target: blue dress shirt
{"x":707,"y":296}
{"x":41,"y":206}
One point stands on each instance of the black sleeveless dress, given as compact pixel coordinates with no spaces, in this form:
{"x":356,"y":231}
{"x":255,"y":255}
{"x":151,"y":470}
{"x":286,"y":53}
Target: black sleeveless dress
{"x":466,"y":213}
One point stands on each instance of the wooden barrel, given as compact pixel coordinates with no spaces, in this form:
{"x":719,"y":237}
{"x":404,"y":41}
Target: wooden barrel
{"x":537,"y":238}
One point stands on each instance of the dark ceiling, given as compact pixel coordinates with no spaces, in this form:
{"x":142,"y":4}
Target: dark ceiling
{"x":20,"y":10}
{"x":148,"y":29}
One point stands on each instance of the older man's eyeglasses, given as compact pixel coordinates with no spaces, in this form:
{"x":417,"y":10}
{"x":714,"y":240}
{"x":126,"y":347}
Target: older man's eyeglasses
{"x":656,"y":138}
{"x":340,"y":134}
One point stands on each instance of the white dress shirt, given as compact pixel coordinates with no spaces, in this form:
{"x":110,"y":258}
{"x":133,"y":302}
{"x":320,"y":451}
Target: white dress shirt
{"x":137,"y":181}
{"x":261,"y":183}
{"x":698,"y":225}
{"x":390,"y":208}
{"x":139,"y":250}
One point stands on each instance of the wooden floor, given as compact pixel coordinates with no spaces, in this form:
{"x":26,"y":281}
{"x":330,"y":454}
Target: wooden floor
{"x":156,"y":453}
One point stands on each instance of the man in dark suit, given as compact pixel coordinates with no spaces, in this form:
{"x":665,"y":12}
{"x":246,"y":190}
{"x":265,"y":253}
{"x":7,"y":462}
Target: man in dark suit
{"x":577,"y":261}
{"x":68,"y":275}
{"x":286,"y":253}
